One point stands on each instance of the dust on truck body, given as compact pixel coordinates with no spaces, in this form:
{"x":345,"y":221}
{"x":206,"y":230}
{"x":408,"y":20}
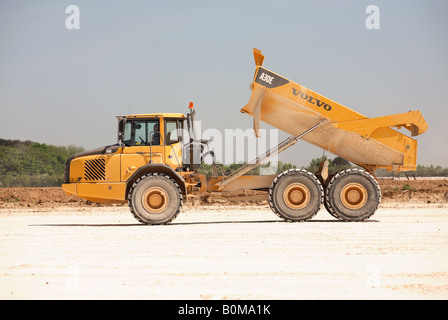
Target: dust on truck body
{"x":368,"y":142}
{"x":154,"y":167}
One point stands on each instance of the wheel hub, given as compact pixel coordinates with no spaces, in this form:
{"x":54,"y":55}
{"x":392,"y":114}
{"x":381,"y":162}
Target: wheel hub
{"x":296,"y":196}
{"x":155,"y":199}
{"x":353,"y":196}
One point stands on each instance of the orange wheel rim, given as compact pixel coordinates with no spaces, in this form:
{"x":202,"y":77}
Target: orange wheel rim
{"x":155,"y":199}
{"x":296,"y":196}
{"x":354,"y":196}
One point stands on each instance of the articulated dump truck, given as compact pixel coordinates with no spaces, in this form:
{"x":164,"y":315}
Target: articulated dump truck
{"x":154,"y":165}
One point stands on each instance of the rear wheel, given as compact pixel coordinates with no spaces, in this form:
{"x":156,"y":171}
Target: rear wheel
{"x":295,"y":195}
{"x":155,"y":199}
{"x":352,"y":195}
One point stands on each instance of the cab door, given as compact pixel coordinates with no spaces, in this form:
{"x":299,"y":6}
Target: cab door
{"x":173,"y":141}
{"x":143,"y":145}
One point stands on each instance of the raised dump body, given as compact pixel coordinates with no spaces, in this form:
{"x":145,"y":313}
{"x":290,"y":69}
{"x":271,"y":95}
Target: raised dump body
{"x":367,"y":142}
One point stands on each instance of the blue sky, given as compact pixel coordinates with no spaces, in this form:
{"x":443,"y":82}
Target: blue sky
{"x":62,"y":87}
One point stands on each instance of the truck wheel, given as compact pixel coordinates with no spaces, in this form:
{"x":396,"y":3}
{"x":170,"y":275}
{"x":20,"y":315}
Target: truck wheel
{"x":352,"y":195}
{"x":326,"y":202}
{"x":155,"y":199}
{"x":295,"y":195}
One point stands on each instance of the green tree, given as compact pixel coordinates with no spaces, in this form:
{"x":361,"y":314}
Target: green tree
{"x":334,"y":165}
{"x":207,"y":169}
{"x":32,"y":164}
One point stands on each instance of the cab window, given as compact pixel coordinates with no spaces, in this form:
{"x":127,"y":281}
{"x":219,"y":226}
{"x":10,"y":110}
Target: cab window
{"x":127,"y":136}
{"x":142,"y":133}
{"x":173,"y":131}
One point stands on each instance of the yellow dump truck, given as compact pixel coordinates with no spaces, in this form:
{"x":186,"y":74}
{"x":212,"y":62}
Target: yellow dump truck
{"x":154,"y":166}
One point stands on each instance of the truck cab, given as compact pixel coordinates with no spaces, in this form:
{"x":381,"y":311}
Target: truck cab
{"x":150,"y":138}
{"x":146,"y":143}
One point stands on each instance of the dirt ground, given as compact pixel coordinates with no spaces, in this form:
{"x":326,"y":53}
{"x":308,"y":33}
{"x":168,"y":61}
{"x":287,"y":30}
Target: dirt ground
{"x":55,"y":246}
{"x":408,"y":191}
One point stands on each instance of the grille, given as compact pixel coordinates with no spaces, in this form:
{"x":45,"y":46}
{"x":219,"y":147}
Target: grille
{"x":95,"y":169}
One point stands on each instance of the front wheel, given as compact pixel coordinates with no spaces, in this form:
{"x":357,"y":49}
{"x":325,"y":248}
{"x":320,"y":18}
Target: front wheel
{"x":352,"y":195}
{"x":295,"y":195}
{"x":155,"y":199}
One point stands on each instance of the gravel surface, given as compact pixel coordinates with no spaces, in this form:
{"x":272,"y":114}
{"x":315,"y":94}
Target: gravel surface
{"x":223,"y":253}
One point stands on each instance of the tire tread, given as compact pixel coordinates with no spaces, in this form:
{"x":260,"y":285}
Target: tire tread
{"x":150,"y":175}
{"x":292,"y":172}
{"x":332,"y":210}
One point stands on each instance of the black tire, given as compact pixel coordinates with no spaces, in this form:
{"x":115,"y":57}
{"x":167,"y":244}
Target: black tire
{"x":352,"y":195}
{"x":155,"y":199}
{"x":296,"y":195}
{"x":326,"y":202}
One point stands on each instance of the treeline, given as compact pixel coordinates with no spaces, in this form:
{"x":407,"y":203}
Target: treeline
{"x":32,"y":164}
{"x":222,"y":169}
{"x":334,"y":165}
{"x":338,"y":164}
{"x":421,"y":171}
{"x":430,"y":171}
